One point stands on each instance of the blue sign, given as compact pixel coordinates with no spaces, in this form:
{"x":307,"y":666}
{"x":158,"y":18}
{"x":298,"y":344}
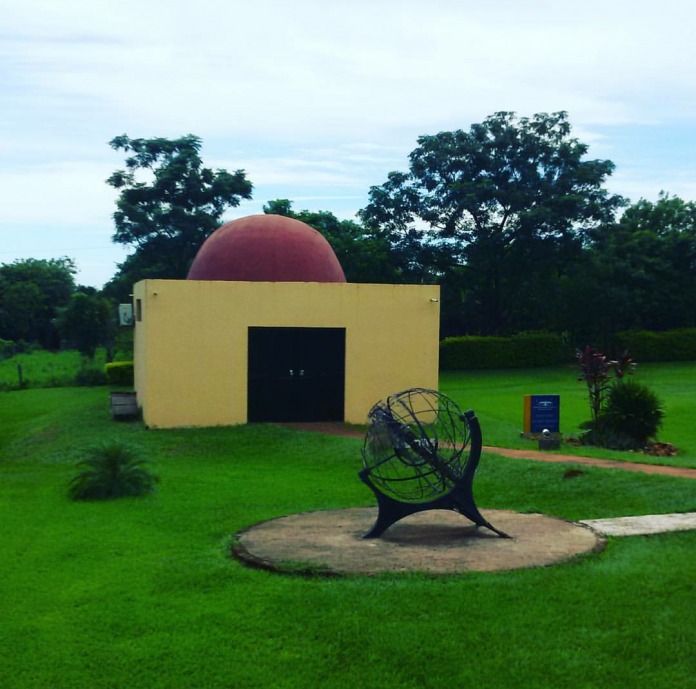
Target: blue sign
{"x":545,"y":413}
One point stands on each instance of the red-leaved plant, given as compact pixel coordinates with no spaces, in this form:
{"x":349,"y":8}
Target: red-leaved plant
{"x":597,"y":371}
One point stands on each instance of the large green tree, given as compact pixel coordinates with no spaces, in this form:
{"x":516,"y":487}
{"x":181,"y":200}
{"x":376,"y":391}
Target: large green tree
{"x":646,"y":264}
{"x":169,"y":202}
{"x":366,"y":256}
{"x":503,"y":207}
{"x":31,"y":293}
{"x":87,"y":321}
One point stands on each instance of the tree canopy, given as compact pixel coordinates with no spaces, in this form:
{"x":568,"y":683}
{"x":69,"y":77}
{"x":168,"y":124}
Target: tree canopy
{"x":509,"y":217}
{"x":87,"y":321}
{"x":511,"y":198}
{"x":168,"y":202}
{"x":31,"y":293}
{"x":364,"y":256}
{"x":647,"y":264}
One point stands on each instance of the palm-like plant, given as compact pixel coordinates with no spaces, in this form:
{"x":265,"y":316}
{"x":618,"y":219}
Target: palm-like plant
{"x":111,"y":470}
{"x":634,"y":411}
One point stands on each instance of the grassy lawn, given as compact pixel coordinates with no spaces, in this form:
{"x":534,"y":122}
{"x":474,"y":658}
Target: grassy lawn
{"x":141,"y":592}
{"x":44,"y":369}
{"x":497,"y":396}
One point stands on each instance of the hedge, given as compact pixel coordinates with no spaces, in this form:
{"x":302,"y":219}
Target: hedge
{"x":525,"y":350}
{"x":119,"y":373}
{"x":670,"y":345}
{"x":529,"y":350}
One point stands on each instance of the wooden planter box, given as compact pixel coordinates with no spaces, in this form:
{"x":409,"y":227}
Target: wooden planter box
{"x":124,"y":405}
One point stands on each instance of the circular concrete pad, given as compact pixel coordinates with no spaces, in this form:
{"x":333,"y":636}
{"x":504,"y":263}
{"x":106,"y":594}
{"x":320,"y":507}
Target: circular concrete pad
{"x":436,"y":541}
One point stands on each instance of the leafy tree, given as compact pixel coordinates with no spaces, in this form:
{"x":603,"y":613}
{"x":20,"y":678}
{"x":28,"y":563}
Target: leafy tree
{"x":587,"y":313}
{"x":31,"y":293}
{"x":365,"y":256}
{"x":140,"y":265}
{"x":643,"y":261}
{"x":168,"y":202}
{"x":510,"y":201}
{"x":87,"y":321}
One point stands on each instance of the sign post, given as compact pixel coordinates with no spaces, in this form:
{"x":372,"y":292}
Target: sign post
{"x":542,"y":413}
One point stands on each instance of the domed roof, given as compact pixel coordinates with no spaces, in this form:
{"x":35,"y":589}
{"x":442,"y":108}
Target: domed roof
{"x":266,"y":248}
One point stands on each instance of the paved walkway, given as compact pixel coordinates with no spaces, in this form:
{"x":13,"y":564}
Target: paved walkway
{"x":642,"y":526}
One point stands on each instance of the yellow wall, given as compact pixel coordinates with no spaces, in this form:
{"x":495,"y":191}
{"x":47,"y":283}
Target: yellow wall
{"x":191,"y":342}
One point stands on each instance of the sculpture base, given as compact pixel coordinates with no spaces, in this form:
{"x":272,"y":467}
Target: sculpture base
{"x":436,"y":542}
{"x":460,"y":499}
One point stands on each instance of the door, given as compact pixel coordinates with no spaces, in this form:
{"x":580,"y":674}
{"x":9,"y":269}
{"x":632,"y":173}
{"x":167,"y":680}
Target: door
{"x":296,"y":374}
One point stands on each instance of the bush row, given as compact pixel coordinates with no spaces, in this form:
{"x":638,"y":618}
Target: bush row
{"x":42,"y":374}
{"x":119,"y":373}
{"x":526,"y":350}
{"x":85,"y":376}
{"x":9,"y":348}
{"x":671,"y":345}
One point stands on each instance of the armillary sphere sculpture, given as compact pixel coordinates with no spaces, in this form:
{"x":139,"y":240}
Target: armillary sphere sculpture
{"x":413,"y":458}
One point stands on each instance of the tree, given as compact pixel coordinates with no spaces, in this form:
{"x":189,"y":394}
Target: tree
{"x":510,"y":201}
{"x":139,"y":265}
{"x":365,"y":256}
{"x":31,"y":293}
{"x":87,"y":321}
{"x":644,"y":261}
{"x":168,"y":202}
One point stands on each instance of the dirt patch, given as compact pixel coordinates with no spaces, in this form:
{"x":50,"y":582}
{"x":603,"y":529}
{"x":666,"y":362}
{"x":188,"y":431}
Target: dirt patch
{"x":436,"y":542}
{"x":334,"y":428}
{"x":660,"y":469}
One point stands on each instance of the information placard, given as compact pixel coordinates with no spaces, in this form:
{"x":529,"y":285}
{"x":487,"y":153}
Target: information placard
{"x":542,"y":412}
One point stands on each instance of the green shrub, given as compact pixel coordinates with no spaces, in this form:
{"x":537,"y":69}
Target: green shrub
{"x":670,"y":345}
{"x":123,"y":345}
{"x":119,"y":373}
{"x":111,"y":470}
{"x":471,"y":352}
{"x":7,"y":348}
{"x":632,"y":414}
{"x":90,"y":375}
{"x":633,"y":409}
{"x":525,"y":350}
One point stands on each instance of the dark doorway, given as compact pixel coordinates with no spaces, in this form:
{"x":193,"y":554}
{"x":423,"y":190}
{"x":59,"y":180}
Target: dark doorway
{"x":296,"y":374}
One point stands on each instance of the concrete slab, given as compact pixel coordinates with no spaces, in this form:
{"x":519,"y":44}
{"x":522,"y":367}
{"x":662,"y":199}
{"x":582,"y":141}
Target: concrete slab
{"x":642,"y":525}
{"x":437,"y":542}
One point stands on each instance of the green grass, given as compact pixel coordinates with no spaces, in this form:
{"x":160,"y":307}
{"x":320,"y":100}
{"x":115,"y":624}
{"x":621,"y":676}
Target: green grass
{"x":140,"y":592}
{"x":497,"y":398}
{"x":42,"y":369}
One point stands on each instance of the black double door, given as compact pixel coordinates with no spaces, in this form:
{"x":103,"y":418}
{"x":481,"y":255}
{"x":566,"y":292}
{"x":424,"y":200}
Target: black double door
{"x":296,"y":374}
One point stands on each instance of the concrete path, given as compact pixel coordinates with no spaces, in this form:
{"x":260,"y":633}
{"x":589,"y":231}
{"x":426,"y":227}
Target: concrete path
{"x":643,"y":525}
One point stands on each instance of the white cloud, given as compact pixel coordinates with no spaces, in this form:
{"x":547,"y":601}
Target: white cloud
{"x":63,"y":194}
{"x":319,"y":100}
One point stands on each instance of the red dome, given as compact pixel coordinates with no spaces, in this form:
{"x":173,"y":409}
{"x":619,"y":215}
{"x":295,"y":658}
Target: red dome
{"x":266,"y":248}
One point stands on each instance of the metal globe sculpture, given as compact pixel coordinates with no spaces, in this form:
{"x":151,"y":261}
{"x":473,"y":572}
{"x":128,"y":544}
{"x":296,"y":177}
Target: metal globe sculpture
{"x":415,"y":457}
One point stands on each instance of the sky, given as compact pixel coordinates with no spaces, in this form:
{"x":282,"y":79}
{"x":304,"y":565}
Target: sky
{"x":318,"y":100}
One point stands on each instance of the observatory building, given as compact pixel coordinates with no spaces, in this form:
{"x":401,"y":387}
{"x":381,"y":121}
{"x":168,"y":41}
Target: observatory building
{"x":266,"y":328}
